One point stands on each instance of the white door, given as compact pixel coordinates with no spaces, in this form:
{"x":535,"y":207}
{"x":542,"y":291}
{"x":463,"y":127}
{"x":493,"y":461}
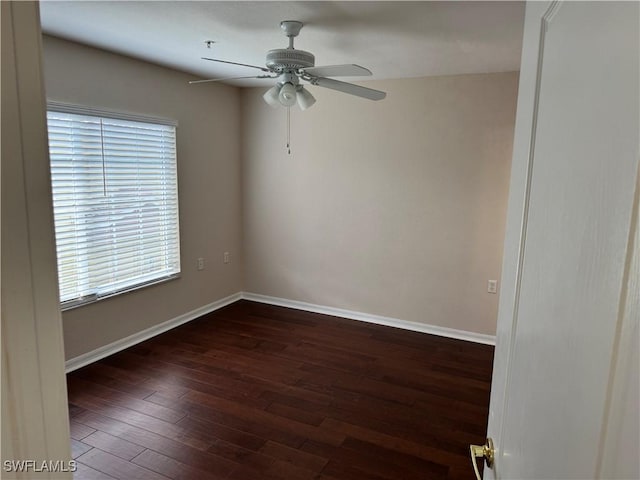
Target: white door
{"x":564,"y":400}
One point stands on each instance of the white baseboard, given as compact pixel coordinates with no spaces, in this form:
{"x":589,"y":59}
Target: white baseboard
{"x":106,"y":350}
{"x":377,"y":319}
{"x":101,"y":352}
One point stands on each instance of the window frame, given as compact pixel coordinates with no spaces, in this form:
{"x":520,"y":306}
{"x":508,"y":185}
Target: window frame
{"x":60,"y":107}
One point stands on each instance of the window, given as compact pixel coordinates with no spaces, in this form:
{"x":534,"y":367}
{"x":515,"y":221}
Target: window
{"x":115,"y":202}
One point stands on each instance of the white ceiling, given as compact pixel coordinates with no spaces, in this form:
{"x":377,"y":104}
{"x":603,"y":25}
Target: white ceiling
{"x":393,"y":39}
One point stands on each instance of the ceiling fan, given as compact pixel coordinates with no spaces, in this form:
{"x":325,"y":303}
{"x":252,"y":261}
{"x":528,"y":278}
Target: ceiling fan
{"x":290,"y":66}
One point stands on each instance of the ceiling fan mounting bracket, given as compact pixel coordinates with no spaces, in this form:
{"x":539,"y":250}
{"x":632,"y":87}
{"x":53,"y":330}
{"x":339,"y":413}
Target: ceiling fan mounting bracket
{"x":291,"y":28}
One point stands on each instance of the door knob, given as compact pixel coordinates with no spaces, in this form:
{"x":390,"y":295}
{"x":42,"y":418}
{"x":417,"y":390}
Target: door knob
{"x":485,"y":451}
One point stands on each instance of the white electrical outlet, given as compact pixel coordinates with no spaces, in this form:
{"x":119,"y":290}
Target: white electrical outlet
{"x":492,"y":286}
{"x":201,"y":264}
{"x":226,"y":258}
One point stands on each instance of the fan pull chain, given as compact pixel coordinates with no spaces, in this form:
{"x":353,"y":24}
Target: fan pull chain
{"x":289,"y":130}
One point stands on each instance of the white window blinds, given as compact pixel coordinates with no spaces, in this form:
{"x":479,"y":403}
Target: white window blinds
{"x":115,"y":201}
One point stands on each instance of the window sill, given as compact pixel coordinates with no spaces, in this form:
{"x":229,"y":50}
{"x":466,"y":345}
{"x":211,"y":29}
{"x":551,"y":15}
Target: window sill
{"x":81,"y":302}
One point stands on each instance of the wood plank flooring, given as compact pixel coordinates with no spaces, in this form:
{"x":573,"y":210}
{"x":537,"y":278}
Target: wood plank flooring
{"x":254,"y":392}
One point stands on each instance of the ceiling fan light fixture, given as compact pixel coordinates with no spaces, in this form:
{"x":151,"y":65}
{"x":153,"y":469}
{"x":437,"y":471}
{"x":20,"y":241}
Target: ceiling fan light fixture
{"x":271,"y":96}
{"x":305,"y":99}
{"x":287,"y":95}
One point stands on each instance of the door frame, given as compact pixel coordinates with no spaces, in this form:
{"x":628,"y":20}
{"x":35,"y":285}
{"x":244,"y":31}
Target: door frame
{"x":35,"y":421}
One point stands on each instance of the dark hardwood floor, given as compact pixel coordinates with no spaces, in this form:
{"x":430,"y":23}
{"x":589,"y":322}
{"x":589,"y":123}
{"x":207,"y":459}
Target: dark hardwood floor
{"x":253,"y":391}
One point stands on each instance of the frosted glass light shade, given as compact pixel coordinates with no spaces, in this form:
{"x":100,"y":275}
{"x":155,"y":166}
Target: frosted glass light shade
{"x":271,"y":96}
{"x":287,"y":95}
{"x":305,"y":99}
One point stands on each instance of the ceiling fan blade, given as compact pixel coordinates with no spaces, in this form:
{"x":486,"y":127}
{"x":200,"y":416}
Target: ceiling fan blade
{"x":236,"y":63}
{"x":349,"y":88}
{"x":347,"y":70}
{"x":192,"y":82}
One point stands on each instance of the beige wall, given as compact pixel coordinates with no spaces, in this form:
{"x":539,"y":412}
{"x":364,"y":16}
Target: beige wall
{"x":208,"y":180}
{"x":392,"y":208}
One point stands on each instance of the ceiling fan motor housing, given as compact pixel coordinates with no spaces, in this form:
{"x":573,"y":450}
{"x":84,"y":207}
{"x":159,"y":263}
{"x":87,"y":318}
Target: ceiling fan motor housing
{"x":283,"y":59}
